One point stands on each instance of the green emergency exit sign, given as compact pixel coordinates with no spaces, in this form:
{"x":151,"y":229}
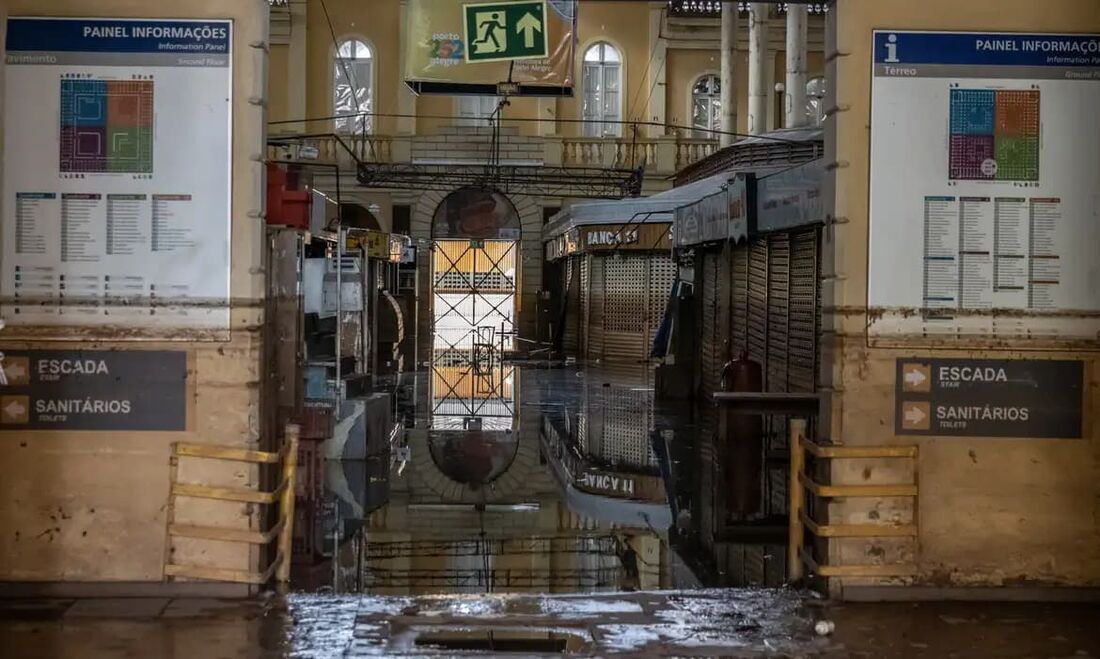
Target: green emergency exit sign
{"x":498,"y":31}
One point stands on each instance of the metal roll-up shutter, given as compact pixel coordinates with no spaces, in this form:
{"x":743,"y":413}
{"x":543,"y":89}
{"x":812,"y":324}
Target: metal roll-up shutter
{"x":802,"y":330}
{"x":739,"y":278}
{"x":596,"y":296}
{"x":662,"y":274}
{"x":775,"y":372}
{"x":570,"y":286}
{"x":757,"y":297}
{"x":779,"y":262}
{"x":710,"y":349}
{"x":625,"y":303}
{"x":725,"y":310}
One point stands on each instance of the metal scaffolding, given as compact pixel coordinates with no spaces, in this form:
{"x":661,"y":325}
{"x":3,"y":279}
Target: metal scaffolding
{"x":536,"y":180}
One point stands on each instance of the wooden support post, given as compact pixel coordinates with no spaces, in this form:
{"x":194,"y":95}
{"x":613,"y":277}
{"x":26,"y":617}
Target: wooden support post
{"x":286,"y":504}
{"x":797,"y":429}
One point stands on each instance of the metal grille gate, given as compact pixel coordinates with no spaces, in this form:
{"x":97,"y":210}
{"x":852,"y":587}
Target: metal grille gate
{"x":473,"y":320}
{"x":625,"y":303}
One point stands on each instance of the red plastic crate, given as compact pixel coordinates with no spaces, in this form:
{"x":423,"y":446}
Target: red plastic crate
{"x":316,"y":422}
{"x":310,"y":482}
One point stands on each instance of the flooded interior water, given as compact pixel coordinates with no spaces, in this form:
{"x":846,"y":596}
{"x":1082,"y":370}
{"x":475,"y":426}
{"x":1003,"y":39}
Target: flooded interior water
{"x":514,"y":479}
{"x":536,"y":510}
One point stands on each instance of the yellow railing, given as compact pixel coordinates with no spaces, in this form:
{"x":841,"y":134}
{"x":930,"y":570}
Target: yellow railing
{"x":801,"y":522}
{"x":280,"y":532}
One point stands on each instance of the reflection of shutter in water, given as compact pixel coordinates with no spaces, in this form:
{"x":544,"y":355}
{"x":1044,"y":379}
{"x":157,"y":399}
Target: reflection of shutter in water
{"x":627,"y":417}
{"x":585,"y":301}
{"x":569,"y":287}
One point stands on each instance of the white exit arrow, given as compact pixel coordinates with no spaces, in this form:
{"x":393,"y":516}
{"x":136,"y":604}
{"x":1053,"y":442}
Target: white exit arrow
{"x":16,"y":370}
{"x":915,"y":377}
{"x":527,"y":26}
{"x":14,"y":409}
{"x":914,"y":415}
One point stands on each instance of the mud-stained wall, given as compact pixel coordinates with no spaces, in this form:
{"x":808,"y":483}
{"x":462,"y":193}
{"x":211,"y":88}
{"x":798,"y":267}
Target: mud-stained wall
{"x":90,"y":506}
{"x":991,"y":512}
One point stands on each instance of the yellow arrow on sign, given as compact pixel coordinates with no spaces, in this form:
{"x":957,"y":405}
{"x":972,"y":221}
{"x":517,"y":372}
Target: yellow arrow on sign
{"x":528,"y":26}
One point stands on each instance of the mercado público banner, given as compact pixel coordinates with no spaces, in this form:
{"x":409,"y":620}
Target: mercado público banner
{"x":984,"y":204}
{"x":116,"y":207}
{"x":524,"y":47}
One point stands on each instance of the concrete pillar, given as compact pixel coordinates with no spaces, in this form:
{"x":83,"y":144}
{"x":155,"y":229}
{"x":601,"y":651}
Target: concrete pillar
{"x":758,"y":63}
{"x":296,"y":65}
{"x":728,"y":55}
{"x":406,"y":100}
{"x":658,"y":91}
{"x":794,"y":114}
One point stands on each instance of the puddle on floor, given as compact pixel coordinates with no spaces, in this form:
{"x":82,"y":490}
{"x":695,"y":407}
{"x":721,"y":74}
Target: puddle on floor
{"x":513,"y":479}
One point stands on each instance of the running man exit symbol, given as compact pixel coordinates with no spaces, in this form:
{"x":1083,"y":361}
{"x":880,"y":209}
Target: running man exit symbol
{"x":492,"y":37}
{"x":497,"y":31}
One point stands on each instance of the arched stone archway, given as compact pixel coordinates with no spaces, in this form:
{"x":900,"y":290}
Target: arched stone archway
{"x":529,"y":257}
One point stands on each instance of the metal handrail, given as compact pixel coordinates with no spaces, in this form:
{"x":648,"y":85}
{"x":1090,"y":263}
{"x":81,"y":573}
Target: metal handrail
{"x":281,"y":532}
{"x":802,"y":483}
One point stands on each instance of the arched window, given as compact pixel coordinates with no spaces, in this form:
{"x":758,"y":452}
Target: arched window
{"x":815,"y":100}
{"x":353,"y":79}
{"x":602,"y":79}
{"x":706,"y":106}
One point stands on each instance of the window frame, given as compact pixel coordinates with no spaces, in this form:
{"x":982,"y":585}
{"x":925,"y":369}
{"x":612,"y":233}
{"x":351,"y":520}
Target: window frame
{"x":602,"y":65}
{"x":368,"y":123}
{"x":695,"y":131}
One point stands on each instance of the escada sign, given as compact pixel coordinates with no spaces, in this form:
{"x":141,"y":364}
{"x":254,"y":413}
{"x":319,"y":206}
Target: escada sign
{"x":1025,"y":398}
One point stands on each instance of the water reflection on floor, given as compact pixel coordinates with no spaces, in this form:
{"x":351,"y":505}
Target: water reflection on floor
{"x":519,"y":479}
{"x":521,"y":534}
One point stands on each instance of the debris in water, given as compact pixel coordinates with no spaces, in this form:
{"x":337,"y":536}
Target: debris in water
{"x":824,"y":627}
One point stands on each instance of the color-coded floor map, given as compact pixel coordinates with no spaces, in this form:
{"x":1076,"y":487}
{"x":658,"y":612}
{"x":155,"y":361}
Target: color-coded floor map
{"x":994,"y":135}
{"x":106,"y":126}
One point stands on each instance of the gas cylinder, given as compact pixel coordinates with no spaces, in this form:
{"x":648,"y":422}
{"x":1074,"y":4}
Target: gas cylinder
{"x":743,"y":444}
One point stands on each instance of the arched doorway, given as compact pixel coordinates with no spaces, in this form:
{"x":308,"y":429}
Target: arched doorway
{"x":475,"y":235}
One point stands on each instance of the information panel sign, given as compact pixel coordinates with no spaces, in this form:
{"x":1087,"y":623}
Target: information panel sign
{"x":94,"y":390}
{"x":116,"y":207}
{"x":989,"y":398}
{"x":455,"y":47}
{"x":984,"y":206}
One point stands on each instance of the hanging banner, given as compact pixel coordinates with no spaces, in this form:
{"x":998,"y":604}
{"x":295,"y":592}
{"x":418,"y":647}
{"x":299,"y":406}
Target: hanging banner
{"x":527,"y":46}
{"x":116,"y":208}
{"x":983,"y":188}
{"x":791,"y":198}
{"x":740,"y":196}
{"x":724,"y":215}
